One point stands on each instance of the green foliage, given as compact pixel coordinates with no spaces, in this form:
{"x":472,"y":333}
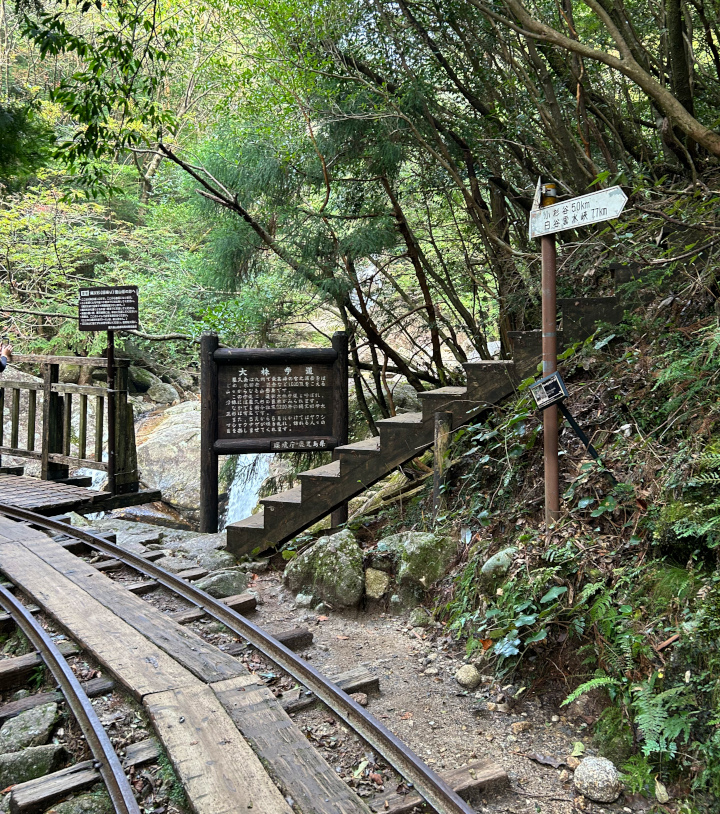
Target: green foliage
{"x":25,"y":141}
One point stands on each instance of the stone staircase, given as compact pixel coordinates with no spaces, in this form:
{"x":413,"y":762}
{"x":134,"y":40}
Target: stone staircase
{"x":357,"y":466}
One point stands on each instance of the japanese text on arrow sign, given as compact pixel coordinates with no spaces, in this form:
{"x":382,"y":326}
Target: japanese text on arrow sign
{"x":583,"y":211}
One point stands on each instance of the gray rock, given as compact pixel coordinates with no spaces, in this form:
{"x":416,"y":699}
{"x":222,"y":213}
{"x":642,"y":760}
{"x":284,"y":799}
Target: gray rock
{"x":419,"y":618}
{"x":376,"y":583}
{"x":422,"y":558}
{"x":183,"y":379}
{"x":405,"y":398}
{"x":467,"y":676}
{"x":304,"y":600}
{"x":321,"y":607}
{"x":597,"y":779}
{"x":142,"y":380}
{"x":168,"y":454}
{"x":163,"y":393}
{"x":498,"y":565}
{"x":175,"y":564}
{"x":229,"y":582}
{"x":35,"y":761}
{"x":29,"y":728}
{"x":206,"y":550}
{"x":331,"y":569}
{"x":96,"y":802}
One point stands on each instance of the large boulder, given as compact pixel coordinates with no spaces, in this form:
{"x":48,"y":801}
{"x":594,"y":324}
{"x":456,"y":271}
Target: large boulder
{"x":332,"y":570}
{"x":421,"y":558}
{"x":29,"y":728}
{"x":35,"y":761}
{"x":169,"y":455}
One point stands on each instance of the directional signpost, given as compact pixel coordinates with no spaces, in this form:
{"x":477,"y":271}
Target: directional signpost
{"x":583,"y":211}
{"x":548,"y":216}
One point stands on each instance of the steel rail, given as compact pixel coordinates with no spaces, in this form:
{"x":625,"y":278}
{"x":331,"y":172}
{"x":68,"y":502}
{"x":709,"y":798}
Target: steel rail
{"x":108,"y":764}
{"x":427,"y":783}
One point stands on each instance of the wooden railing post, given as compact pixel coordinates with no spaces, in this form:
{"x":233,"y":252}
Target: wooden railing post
{"x":52,"y":431}
{"x":126,"y":468}
{"x":340,"y":411}
{"x":443,"y":428}
{"x":208,"y":434}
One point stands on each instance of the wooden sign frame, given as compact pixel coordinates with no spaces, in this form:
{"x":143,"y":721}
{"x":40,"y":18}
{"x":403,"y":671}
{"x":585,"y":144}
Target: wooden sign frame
{"x":300,"y":396}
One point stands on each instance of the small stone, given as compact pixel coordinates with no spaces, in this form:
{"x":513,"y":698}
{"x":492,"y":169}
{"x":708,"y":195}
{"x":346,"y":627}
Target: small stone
{"x":564,"y":776}
{"x":321,"y":607}
{"x":16,"y":696}
{"x":431,"y":671}
{"x":360,"y":698}
{"x":572,"y":762}
{"x":597,"y":779}
{"x":498,"y":565}
{"x":520,"y":726}
{"x":498,"y":707}
{"x":303,"y":600}
{"x":555,"y":719}
{"x":96,"y":802}
{"x":468,"y":676}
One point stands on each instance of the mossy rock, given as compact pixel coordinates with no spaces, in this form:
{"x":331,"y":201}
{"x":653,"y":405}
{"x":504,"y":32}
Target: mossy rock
{"x":332,"y":571}
{"x":94,"y":802}
{"x":36,"y":761}
{"x":421,"y":558}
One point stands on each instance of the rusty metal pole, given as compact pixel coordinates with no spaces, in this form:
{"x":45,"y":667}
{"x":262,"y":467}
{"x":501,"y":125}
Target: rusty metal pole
{"x":549,"y":355}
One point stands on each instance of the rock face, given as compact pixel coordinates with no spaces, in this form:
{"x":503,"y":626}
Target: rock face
{"x":29,"y":728}
{"x":467,"y":676}
{"x":169,"y":455}
{"x":597,"y":779}
{"x":331,"y":570}
{"x":498,"y":565}
{"x":421,"y":558}
{"x":17,"y":767}
{"x":224,"y":583}
{"x":376,"y":583}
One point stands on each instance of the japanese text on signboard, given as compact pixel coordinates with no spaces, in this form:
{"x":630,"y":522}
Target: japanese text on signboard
{"x":108,"y":309}
{"x":290,"y":405}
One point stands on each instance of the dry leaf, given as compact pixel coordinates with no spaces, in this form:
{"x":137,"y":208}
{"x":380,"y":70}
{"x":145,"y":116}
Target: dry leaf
{"x":546,"y":760}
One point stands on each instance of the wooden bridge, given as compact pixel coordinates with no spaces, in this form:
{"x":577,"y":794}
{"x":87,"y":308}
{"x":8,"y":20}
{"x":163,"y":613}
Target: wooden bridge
{"x":48,"y":436}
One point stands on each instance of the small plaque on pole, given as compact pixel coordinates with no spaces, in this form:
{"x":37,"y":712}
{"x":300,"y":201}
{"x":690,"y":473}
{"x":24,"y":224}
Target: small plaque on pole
{"x":109,"y":309}
{"x":548,"y":391}
{"x":595,"y":207}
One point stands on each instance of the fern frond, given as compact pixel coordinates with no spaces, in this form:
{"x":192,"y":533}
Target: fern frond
{"x":593,"y":684}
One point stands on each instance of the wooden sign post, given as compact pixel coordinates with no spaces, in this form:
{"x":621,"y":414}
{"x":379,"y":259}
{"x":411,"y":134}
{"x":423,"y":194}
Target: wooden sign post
{"x":109,"y":309}
{"x":268,"y":400}
{"x":547,"y":217}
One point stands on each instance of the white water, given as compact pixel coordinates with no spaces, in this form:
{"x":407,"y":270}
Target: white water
{"x":245,"y":489}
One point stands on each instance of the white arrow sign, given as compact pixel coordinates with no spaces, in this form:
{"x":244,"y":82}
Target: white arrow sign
{"x":583,"y":211}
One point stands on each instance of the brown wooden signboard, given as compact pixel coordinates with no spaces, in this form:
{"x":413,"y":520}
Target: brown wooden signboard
{"x":268,"y":400}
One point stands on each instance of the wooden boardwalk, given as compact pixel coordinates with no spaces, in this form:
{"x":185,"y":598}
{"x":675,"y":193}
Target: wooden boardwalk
{"x":49,"y":497}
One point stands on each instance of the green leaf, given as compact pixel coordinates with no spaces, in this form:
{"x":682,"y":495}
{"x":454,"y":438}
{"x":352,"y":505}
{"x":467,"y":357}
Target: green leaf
{"x":601,"y":343}
{"x":540,"y":636}
{"x":584,"y":502}
{"x":553,"y":593}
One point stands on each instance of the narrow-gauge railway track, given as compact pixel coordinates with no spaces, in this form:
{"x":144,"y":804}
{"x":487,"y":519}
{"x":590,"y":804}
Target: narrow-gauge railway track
{"x":436,"y":792}
{"x":107,"y":762}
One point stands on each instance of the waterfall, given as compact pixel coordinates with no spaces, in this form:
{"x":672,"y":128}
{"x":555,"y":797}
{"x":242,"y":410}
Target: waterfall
{"x":244,"y":491}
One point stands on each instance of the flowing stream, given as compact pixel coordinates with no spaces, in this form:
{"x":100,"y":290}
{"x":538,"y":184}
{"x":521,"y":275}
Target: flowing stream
{"x":244,"y":491}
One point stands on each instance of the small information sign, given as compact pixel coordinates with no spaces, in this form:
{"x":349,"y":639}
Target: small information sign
{"x":288,"y":406}
{"x":109,"y":309}
{"x":548,"y":391}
